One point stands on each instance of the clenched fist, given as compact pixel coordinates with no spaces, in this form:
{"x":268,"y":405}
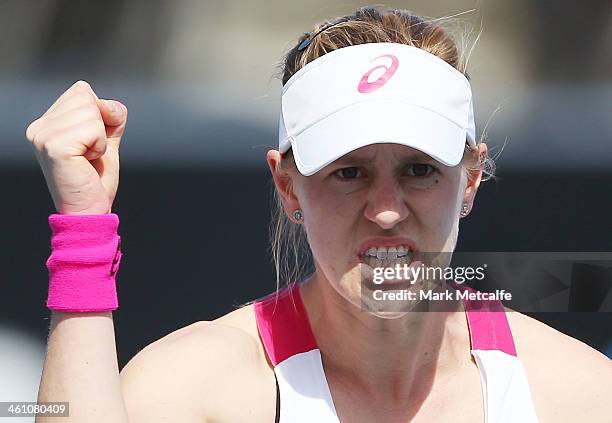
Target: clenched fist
{"x":76,"y":143}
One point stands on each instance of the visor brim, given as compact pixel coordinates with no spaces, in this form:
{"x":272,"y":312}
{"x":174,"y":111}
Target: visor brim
{"x":375,"y":122}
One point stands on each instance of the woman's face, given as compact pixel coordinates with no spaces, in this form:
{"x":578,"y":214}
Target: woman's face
{"x":381,"y":195}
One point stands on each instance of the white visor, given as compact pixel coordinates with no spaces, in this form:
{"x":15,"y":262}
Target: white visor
{"x":375,"y":93}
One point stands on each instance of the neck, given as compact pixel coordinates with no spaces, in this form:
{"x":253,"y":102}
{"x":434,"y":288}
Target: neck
{"x":395,"y":357}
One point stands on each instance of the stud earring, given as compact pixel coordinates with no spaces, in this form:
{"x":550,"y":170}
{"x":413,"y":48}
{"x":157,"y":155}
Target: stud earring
{"x":464,"y":210}
{"x":298,"y":215}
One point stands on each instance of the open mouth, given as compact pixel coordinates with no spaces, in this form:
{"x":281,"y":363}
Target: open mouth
{"x":389,"y":267}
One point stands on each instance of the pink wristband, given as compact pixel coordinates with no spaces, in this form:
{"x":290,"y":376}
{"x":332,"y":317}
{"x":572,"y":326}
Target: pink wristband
{"x":83,"y":263}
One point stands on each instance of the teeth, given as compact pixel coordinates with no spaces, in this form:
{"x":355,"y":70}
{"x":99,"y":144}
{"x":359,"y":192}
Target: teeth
{"x":383,"y":253}
{"x":387,"y":256}
{"x":374,"y":262}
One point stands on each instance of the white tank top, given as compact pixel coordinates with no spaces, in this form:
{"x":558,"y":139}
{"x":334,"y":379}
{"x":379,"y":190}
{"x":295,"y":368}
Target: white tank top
{"x":303,"y":394}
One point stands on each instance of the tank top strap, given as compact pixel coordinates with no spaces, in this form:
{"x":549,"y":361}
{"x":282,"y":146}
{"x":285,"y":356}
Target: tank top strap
{"x":488,"y":325}
{"x":283,"y":324}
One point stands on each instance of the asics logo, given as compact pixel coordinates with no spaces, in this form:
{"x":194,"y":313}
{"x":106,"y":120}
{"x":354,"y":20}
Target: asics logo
{"x":366,"y":86}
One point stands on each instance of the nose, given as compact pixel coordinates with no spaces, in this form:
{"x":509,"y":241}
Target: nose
{"x":386,"y":204}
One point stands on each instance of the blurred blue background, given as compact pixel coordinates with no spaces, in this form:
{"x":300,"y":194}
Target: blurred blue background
{"x":199,"y":80}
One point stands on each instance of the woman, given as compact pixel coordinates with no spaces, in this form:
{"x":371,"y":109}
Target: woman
{"x":377,"y":162}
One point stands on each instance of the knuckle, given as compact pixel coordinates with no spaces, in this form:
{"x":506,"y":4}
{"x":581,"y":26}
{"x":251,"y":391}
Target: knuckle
{"x":31,"y":131}
{"x":100,"y":147}
{"x":89,"y":97}
{"x":40,"y":139}
{"x":82,"y":85}
{"x":54,"y":150}
{"x":95,"y":130}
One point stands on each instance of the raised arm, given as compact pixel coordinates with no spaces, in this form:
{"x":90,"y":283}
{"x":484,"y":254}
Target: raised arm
{"x":193,"y":374}
{"x":76,"y":142}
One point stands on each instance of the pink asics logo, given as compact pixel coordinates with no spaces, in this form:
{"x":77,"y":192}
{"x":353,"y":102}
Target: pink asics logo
{"x":367,"y":87}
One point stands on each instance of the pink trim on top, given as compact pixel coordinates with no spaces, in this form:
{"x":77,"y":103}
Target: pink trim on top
{"x":488,"y":325}
{"x":285,"y":329}
{"x":283,"y":324}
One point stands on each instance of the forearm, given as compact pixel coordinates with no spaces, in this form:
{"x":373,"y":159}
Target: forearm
{"x":81,"y":368}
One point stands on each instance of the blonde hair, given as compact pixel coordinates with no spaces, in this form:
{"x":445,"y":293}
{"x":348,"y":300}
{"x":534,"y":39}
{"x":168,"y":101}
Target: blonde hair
{"x":371,"y":24}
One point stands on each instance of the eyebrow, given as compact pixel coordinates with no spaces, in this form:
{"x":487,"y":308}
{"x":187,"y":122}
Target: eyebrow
{"x":361,"y":161}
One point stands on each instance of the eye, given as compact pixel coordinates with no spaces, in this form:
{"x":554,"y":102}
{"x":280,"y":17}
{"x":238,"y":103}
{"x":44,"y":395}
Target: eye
{"x":420,"y":170}
{"x":348,"y":173}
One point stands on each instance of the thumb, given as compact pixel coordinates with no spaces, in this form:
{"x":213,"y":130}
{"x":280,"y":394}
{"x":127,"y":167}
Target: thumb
{"x":113,"y":112}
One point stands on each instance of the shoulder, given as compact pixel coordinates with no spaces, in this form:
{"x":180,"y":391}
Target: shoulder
{"x":196,"y":371}
{"x":569,"y":379}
